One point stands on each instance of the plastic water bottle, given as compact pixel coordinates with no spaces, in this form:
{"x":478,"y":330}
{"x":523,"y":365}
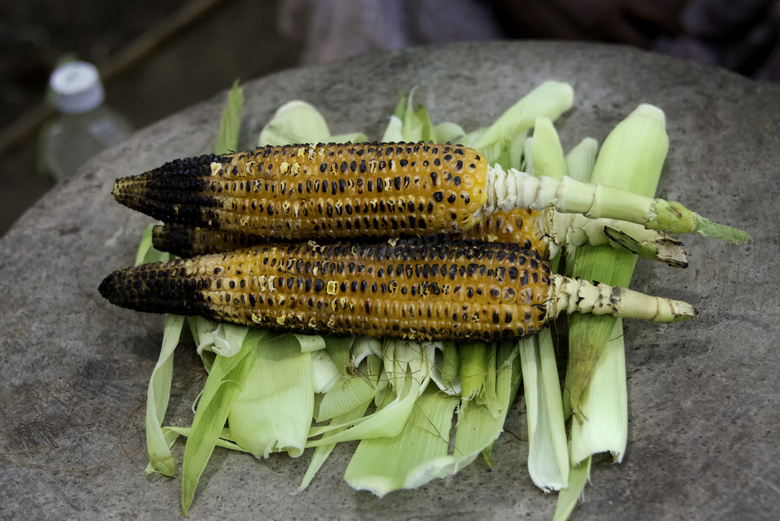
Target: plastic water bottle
{"x":86,"y":125}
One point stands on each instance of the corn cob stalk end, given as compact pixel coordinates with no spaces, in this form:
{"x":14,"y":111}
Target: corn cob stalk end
{"x":576,"y":295}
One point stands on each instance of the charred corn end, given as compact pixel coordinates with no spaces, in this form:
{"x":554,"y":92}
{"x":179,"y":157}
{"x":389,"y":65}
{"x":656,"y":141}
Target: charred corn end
{"x":440,"y":290}
{"x":314,"y":191}
{"x":184,"y":241}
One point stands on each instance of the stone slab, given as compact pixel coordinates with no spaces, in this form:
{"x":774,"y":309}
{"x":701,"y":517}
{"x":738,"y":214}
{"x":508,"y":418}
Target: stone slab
{"x":703,"y":398}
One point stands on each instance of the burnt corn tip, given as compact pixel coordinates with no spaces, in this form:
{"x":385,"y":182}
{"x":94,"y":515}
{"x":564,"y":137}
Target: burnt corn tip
{"x":108,"y":288}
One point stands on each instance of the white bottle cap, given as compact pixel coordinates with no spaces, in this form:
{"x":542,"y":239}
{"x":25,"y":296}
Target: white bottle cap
{"x":77,"y":87}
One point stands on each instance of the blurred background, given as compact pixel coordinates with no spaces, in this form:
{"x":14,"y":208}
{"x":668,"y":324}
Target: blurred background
{"x":156,"y":57}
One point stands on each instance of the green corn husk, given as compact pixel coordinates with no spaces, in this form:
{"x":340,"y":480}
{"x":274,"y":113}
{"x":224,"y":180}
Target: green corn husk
{"x":347,"y":400}
{"x":606,"y":426}
{"x":581,"y":159}
{"x":474,"y":358}
{"x":446,"y":370}
{"x":351,"y":391}
{"x":227,"y":137}
{"x":273,"y":412}
{"x":548,"y":462}
{"x":568,"y":497}
{"x":546,"y":150}
{"x":158,"y":396}
{"x":420,"y":452}
{"x":220,"y":391}
{"x":299,"y":122}
{"x":636,"y":147}
{"x":632,"y":157}
{"x":550,"y":99}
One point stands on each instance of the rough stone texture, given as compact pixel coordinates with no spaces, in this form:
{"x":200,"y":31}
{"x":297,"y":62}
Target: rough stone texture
{"x":703,"y":439}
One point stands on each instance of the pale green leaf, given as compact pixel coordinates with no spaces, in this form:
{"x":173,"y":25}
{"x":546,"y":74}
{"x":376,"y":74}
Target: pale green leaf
{"x":605,"y":406}
{"x":446,"y":370}
{"x":579,"y":475}
{"x":350,"y":391}
{"x":581,"y":159}
{"x":547,"y":152}
{"x":407,"y":365}
{"x":548,"y":451}
{"x":413,"y":457}
{"x":222,"y":387}
{"x":393,"y":132}
{"x":295,"y":122}
{"x":274,"y":409}
{"x":420,"y":453}
{"x":550,"y":99}
{"x":449,"y":132}
{"x":325,"y":374}
{"x":300,"y":122}
{"x":632,"y":158}
{"x":386,"y":422}
{"x":227,"y":137}
{"x":322,"y":452}
{"x":158,"y":396}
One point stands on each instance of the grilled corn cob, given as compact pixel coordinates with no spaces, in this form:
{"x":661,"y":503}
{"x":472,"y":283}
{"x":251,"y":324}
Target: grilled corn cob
{"x":295,"y":192}
{"x":410,"y":289}
{"x":544,"y":232}
{"x":513,"y":227}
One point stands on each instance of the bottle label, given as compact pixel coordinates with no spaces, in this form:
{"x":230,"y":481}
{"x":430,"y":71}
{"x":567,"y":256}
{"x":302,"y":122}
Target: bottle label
{"x":107,"y":132}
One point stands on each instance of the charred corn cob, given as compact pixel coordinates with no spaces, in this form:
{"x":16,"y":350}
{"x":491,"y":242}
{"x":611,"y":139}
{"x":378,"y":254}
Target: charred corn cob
{"x":310,"y":191}
{"x":368,"y":190}
{"x":513,"y":227}
{"x":412,"y":289}
{"x":544,"y":232}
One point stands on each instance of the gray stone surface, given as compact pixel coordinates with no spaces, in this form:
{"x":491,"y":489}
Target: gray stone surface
{"x":703,"y":439}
